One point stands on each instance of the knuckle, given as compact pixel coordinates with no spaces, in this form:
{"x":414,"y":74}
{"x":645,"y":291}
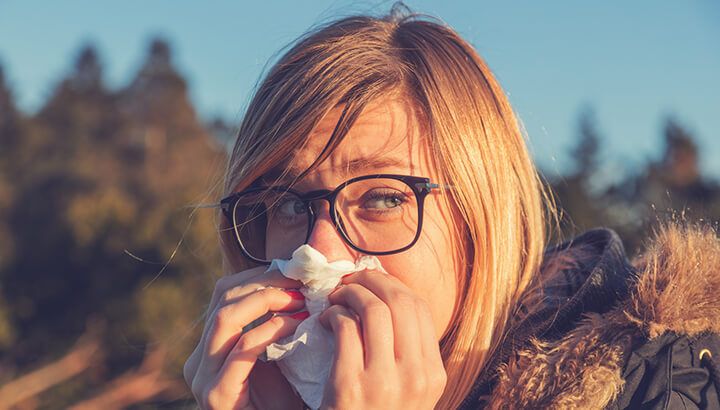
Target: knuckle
{"x":276,"y":322}
{"x":245,"y":343}
{"x":438,"y":381}
{"x":366,"y":272}
{"x":222,"y":316}
{"x":264,"y":293}
{"x":204,"y":398}
{"x":324,"y":317}
{"x":228,"y":295}
{"x":418,"y":383}
{"x":388,"y":389}
{"x":329,"y":313}
{"x":340,"y":382}
{"x":339,"y":310}
{"x":403,"y":300}
{"x":350,"y":389}
{"x":345,"y":325}
{"x":371,"y":273}
{"x":220,"y":285}
{"x":375,"y":309}
{"x":214,"y":397}
{"x":265,"y":296}
{"x":423,"y":306}
{"x":329,"y":316}
{"x":440,"y":378}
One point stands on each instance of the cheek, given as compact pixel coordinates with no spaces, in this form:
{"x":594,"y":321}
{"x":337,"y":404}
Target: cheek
{"x":428,"y":268}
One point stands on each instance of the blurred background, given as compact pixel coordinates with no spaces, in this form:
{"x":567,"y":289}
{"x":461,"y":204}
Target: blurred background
{"x":115,"y":119}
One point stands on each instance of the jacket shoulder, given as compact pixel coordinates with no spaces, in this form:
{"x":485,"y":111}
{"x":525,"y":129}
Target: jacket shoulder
{"x":636,"y":352}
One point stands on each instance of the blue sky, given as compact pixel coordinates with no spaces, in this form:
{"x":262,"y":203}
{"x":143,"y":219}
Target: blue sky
{"x":633,"y":62}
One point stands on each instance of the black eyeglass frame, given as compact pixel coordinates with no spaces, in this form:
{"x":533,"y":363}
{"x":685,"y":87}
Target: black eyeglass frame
{"x":421,"y":187}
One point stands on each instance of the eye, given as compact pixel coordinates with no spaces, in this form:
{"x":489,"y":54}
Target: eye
{"x":286,"y":210}
{"x":383,"y":200}
{"x":290,"y":208}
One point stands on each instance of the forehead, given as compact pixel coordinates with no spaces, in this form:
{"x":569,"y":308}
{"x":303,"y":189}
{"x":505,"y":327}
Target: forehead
{"x":385,"y":135}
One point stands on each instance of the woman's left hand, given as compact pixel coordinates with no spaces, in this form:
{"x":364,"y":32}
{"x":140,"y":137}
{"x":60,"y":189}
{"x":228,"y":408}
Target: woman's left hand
{"x":387,"y":352}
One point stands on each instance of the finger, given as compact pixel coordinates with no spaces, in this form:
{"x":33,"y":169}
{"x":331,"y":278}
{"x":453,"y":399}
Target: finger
{"x":433,"y":365}
{"x":429,"y":341}
{"x":230,"y":289}
{"x":228,"y":321}
{"x":240,"y":284}
{"x":228,"y":281}
{"x":375,"y":320}
{"x":238,"y":292}
{"x":231,"y":385}
{"x":347,"y":331}
{"x":403,"y":305}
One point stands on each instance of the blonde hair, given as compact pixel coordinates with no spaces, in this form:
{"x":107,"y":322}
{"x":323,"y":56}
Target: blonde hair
{"x":476,"y":145}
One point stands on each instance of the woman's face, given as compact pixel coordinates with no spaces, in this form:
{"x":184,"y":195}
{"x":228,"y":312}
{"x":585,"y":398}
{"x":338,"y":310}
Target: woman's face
{"x":388,"y":134}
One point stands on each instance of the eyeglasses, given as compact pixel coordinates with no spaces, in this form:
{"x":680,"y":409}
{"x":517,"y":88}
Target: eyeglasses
{"x":377,"y":214}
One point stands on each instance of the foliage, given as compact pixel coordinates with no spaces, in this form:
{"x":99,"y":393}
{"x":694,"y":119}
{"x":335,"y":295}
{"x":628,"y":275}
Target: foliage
{"x":98,"y":235}
{"x":97,"y":221}
{"x":666,"y":188}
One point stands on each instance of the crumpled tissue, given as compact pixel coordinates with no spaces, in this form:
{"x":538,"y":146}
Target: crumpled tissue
{"x":305,"y":358}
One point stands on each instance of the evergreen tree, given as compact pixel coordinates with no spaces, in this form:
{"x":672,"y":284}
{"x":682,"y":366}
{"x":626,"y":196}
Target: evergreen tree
{"x":577,"y":197}
{"x":584,"y":155}
{"x":11,"y":131}
{"x":9,"y":121}
{"x":101,"y":191}
{"x":80,"y":110}
{"x":674,"y":181}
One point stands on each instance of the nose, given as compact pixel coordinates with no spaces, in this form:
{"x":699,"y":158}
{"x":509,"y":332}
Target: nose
{"x":326,"y":239}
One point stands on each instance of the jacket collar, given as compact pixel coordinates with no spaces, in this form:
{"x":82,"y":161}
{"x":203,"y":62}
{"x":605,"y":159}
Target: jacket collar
{"x":671,"y":288}
{"x":594,"y":285}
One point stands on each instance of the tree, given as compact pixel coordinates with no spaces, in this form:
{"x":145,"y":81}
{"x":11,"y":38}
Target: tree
{"x":10,"y":121}
{"x":585,"y":153}
{"x":578,"y":197}
{"x":11,"y":137}
{"x":104,"y":225}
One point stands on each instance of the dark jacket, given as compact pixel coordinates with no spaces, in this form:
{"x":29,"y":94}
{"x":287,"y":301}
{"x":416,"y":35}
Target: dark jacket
{"x":616,"y":334}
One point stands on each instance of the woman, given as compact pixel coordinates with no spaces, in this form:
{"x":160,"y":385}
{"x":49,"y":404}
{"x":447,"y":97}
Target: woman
{"x":390,"y":136}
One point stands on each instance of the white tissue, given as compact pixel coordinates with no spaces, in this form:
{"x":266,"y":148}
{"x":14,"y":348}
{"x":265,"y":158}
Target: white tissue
{"x":305,"y":358}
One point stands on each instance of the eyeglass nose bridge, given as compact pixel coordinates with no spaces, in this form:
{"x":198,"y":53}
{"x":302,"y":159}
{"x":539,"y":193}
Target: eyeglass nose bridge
{"x":321,"y":194}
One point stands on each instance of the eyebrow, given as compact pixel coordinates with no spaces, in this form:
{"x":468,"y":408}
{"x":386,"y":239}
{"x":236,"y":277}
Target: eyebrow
{"x":352,"y":168}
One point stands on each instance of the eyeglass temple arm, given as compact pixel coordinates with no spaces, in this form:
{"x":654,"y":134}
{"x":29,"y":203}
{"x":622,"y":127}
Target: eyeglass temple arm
{"x":216,"y":205}
{"x":431,"y":185}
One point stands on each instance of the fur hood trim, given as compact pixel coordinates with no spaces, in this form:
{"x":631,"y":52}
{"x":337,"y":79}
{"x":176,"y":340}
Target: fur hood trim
{"x":679,"y":286}
{"x":676,"y":290}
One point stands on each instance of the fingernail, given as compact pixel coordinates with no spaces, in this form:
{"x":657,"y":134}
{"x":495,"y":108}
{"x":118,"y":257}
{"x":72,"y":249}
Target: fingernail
{"x":300,"y":315}
{"x":295,"y":294}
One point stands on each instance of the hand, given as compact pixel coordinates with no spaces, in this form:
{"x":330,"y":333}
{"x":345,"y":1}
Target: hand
{"x":388,"y":354}
{"x":219,"y":369}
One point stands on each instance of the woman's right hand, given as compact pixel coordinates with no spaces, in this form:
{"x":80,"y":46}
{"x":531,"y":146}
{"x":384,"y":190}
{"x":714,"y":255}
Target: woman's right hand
{"x":218,"y":370}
